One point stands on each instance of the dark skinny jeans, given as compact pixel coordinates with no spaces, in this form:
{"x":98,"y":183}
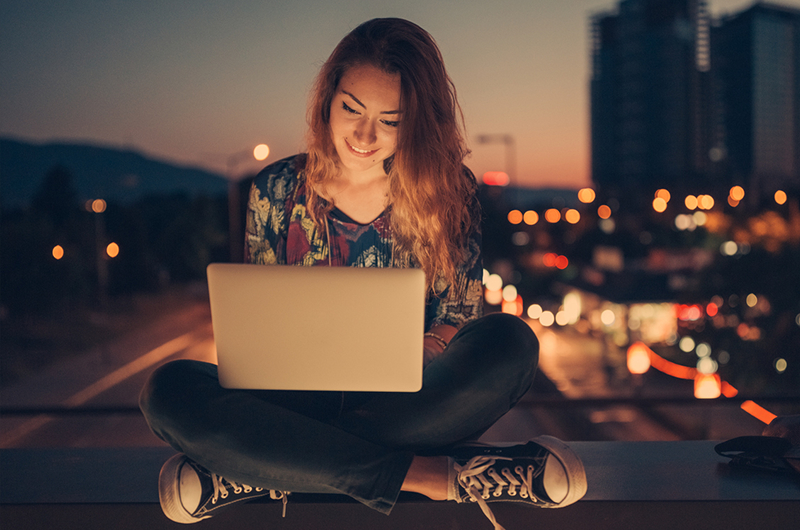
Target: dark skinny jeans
{"x":359,"y":444}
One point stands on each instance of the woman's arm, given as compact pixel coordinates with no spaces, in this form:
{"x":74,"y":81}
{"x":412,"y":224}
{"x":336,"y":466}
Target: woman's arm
{"x":436,"y":340}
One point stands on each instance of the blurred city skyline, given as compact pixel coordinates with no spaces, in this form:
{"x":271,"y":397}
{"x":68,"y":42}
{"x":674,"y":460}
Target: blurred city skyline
{"x":194,"y":83}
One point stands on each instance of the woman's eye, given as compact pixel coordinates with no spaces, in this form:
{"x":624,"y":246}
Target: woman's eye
{"x":348,"y":109}
{"x":391,"y":123}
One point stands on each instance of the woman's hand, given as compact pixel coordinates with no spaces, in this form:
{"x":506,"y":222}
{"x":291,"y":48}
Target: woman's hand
{"x":434,"y":344}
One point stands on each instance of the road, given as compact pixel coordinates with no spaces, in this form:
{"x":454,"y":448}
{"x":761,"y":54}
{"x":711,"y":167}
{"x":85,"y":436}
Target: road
{"x":109,"y":376}
{"x":575,"y":366}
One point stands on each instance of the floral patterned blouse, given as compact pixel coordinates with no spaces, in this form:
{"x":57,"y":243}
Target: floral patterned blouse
{"x":280,"y":231}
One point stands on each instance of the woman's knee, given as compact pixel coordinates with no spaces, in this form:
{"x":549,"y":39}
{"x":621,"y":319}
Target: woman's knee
{"x":514,"y":335}
{"x":510,"y":340}
{"x":172,"y":381}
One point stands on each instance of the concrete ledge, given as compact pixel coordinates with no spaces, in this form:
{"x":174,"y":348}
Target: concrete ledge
{"x":631,"y":485}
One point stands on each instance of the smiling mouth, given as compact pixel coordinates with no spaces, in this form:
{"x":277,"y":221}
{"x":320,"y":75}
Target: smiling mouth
{"x":359,"y":152}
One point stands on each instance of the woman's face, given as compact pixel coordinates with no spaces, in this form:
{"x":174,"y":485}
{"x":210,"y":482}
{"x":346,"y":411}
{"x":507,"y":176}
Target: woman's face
{"x":365,"y":117}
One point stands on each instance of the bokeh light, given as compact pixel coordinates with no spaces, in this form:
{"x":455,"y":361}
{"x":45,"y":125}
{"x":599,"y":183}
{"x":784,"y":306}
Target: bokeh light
{"x":638,"y":358}
{"x":531,"y":218}
{"x":496,"y":178}
{"x":493,"y":296}
{"x":552,"y":215}
{"x":520,"y":239}
{"x":781,"y":365}
{"x":663,"y":194}
{"x":707,"y":386}
{"x":494,"y":282}
{"x":534,"y":311}
{"x":98,"y":206}
{"x":603,"y":211}
{"x":509,"y":293}
{"x":58,"y":252}
{"x":659,"y":205}
{"x":700,"y":218}
{"x":586,"y":195}
{"x":112,"y":250}
{"x":690,"y":202}
{"x":547,"y":318}
{"x":705,"y":202}
{"x":572,"y":216}
{"x":729,"y":248}
{"x":780,"y":197}
{"x":737,"y":193}
{"x":607,"y":226}
{"x":261,"y":152}
{"x":515,"y":217}
{"x":707,"y":365}
{"x":686,"y":344}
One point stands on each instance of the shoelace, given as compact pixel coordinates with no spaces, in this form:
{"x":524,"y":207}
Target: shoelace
{"x":471,"y":477}
{"x":221,"y":490}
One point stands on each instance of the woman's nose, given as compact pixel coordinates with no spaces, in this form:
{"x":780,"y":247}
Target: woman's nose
{"x":365,"y":132}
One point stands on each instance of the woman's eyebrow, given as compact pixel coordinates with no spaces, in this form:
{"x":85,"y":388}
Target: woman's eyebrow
{"x":365,"y":107}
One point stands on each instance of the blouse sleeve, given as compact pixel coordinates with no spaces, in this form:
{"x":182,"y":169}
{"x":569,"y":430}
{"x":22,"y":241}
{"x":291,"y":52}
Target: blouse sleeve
{"x":458,"y":304}
{"x":267,"y":223}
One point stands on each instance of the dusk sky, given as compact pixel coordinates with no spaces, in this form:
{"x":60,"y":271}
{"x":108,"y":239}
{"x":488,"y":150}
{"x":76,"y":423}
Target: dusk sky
{"x":197,"y":81}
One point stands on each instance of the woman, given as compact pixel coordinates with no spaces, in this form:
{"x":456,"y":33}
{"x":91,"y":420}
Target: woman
{"x":382,"y":185}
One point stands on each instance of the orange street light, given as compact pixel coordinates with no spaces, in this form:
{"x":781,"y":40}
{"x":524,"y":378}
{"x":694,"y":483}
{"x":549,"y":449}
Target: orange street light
{"x":261,"y":152}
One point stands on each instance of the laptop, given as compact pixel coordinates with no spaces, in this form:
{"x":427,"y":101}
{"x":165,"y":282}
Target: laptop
{"x":284,"y":327}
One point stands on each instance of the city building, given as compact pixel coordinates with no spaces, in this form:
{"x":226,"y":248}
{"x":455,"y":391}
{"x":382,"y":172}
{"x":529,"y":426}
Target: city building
{"x":756,"y":79}
{"x":650,"y":60}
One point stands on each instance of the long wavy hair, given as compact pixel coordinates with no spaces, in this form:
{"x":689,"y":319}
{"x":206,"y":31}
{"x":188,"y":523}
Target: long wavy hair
{"x":430,"y":192}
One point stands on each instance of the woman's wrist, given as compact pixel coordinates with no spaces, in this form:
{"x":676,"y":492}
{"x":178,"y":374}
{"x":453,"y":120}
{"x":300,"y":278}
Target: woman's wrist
{"x":438,"y":339}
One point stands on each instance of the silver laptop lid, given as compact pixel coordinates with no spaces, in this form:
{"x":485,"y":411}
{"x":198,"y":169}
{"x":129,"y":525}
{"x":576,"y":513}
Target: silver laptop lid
{"x":285,"y":327}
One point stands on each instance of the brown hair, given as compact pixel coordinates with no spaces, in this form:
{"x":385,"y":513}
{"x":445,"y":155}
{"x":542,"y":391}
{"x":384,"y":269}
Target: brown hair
{"x":431,"y":193}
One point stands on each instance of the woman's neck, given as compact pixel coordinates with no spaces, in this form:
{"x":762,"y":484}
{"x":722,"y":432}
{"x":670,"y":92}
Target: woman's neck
{"x":362,"y":196}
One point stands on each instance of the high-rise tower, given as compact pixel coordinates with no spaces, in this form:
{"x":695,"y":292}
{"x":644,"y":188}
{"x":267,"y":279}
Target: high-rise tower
{"x":756,"y":72}
{"x":648,"y":104}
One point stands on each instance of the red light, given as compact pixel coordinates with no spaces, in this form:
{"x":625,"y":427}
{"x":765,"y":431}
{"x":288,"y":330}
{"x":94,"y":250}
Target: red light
{"x":689,"y":312}
{"x":549,"y":259}
{"x":728,"y":390}
{"x":562,"y":262}
{"x":757,"y":411}
{"x":712,"y":309}
{"x":496,"y":178}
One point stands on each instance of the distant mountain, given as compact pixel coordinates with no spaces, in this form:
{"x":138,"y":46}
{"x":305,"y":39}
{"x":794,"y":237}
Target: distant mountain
{"x":97,"y":172}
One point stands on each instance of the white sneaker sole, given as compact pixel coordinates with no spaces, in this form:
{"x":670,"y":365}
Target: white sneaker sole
{"x":169,"y":492}
{"x":574,"y":472}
